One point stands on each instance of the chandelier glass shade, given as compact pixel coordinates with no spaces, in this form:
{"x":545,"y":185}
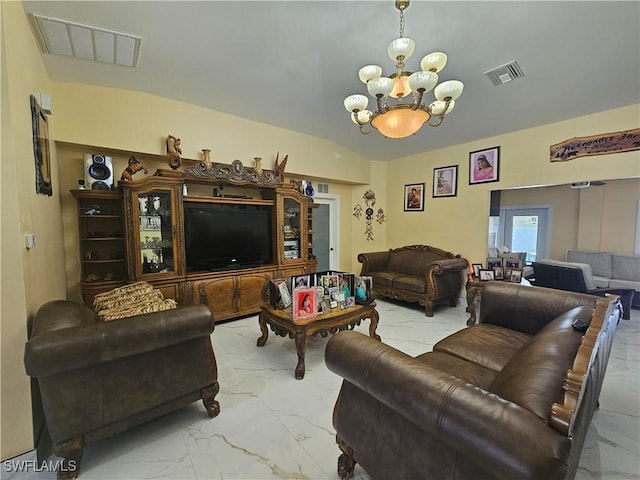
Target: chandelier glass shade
{"x":400,"y":120}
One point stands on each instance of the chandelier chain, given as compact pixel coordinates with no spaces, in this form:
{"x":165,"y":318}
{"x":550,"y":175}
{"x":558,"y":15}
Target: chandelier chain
{"x":401,"y":23}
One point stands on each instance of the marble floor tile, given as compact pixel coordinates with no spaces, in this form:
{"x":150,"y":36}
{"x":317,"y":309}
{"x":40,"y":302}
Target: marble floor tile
{"x":272,"y":426}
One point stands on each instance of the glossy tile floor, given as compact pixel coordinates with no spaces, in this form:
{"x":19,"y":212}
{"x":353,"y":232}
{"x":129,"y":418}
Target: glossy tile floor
{"x":272,"y":426}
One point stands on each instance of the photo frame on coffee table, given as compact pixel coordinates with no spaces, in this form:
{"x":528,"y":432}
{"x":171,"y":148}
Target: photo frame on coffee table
{"x":516,"y":275}
{"x":305,"y":303}
{"x":486,"y":275}
{"x":476,"y":269}
{"x":493,"y":262}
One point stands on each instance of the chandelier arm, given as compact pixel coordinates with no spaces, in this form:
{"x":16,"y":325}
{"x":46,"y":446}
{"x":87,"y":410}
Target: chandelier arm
{"x":354,"y":116}
{"x":440,"y":120}
{"x":382,"y":107}
{"x":363,"y":130}
{"x":417,"y":99}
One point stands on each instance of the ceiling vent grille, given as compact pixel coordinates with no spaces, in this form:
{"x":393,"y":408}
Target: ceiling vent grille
{"x":71,"y":39}
{"x":505,"y":73}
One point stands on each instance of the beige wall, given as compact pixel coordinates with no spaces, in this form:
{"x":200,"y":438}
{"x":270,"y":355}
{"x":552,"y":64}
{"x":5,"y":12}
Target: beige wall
{"x":137,"y":122}
{"x":608,"y":216}
{"x":140,"y":122}
{"x":565,"y":209}
{"x":29,"y":277}
{"x":600,"y":217}
{"x":459,"y":224}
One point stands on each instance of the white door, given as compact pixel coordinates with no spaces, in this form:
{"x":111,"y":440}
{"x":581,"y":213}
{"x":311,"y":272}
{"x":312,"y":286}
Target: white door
{"x":326,"y":235}
{"x":525,"y":230}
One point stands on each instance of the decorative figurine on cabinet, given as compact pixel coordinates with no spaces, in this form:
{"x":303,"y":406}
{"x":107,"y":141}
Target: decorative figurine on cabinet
{"x":134,"y":167}
{"x":278,"y":168}
{"x":174,"y":152}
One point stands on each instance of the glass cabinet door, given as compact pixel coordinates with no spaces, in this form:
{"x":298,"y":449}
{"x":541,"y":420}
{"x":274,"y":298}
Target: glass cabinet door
{"x":155,"y":232}
{"x":292,"y":235}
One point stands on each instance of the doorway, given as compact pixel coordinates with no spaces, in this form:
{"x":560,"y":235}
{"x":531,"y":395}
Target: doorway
{"x":326,"y":235}
{"x":525,"y":229}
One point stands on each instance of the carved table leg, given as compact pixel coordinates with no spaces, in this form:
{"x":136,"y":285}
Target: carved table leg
{"x":301,"y":345}
{"x":374,"y":325}
{"x":346,"y":462}
{"x":428,"y":308}
{"x":263,"y":328}
{"x":208,"y":398}
{"x":71,"y":452}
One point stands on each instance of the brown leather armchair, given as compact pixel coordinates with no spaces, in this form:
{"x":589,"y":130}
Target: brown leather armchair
{"x":97,"y":379}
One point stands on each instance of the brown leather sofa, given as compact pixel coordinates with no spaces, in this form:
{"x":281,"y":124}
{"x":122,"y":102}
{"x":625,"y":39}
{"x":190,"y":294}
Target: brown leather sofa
{"x":416,"y":273}
{"x":97,"y":379}
{"x":509,"y":398}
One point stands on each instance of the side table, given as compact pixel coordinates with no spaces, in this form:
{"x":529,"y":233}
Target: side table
{"x":474,"y":289}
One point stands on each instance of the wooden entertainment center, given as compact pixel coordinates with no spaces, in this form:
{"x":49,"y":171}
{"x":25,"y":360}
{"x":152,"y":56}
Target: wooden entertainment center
{"x":137,"y":232}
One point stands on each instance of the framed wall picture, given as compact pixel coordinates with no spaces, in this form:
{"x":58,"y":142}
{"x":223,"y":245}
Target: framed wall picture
{"x":41,"y":152}
{"x":445,"y":181}
{"x":414,"y":197}
{"x":484,"y":165}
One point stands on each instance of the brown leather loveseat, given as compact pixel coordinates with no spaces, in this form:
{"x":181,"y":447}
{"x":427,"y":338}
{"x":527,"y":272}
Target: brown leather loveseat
{"x":416,"y":273}
{"x":509,"y":398}
{"x":99,"y":378}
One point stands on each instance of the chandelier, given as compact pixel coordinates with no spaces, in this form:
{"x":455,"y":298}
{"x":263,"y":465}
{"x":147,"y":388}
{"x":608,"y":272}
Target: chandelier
{"x":399,"y":120}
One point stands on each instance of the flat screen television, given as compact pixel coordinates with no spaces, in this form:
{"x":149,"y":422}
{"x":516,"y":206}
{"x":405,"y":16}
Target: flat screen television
{"x":227,"y":236}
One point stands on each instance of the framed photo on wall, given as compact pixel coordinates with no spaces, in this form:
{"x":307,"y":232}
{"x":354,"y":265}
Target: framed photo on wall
{"x":484,"y":165}
{"x":445,"y":181}
{"x":41,"y":152}
{"x":414,"y":197}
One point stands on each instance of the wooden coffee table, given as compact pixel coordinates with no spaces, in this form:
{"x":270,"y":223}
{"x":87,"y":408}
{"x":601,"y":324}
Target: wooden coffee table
{"x":332,"y":322}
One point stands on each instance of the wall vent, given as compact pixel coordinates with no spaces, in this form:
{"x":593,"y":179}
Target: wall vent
{"x":323,"y":188}
{"x":71,"y":39}
{"x":505,"y":73}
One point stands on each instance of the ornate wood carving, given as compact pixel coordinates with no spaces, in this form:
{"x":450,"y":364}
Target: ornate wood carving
{"x":563,"y":414}
{"x":606,"y":143}
{"x":208,"y":399}
{"x":71,"y":453}
{"x":235,"y":173}
{"x":346,"y":462}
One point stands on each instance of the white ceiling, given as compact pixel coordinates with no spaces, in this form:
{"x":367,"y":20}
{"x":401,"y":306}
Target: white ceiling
{"x":291,"y":63}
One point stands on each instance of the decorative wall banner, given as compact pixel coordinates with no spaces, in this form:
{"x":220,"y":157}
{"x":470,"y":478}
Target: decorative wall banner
{"x":602,"y":144}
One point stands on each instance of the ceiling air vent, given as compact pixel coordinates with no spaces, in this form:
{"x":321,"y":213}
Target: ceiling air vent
{"x":505,"y":73}
{"x":71,"y":39}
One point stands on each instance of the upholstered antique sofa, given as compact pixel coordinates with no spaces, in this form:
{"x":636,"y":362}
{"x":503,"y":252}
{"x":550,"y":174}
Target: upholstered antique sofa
{"x":416,"y":273}
{"x":509,"y":398}
{"x":99,"y":378}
